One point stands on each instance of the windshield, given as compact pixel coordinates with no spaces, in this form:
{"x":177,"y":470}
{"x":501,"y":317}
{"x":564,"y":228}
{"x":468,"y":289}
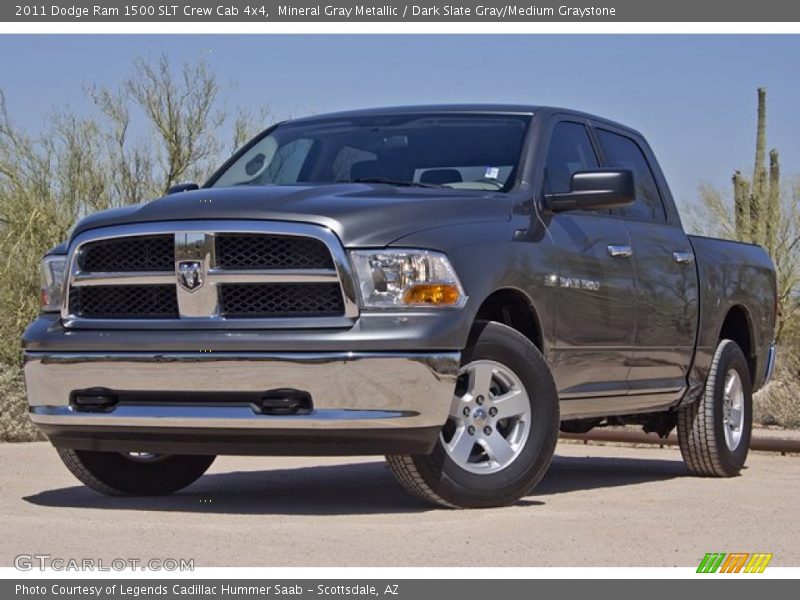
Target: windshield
{"x":464,"y":151}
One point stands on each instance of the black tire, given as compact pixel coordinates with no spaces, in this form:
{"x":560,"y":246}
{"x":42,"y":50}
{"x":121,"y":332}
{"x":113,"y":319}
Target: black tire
{"x":701,"y":432}
{"x":439,"y":480}
{"x":118,"y":474}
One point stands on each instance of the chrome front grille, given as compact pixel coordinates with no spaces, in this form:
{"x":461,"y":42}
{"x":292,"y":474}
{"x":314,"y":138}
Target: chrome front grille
{"x":217,"y":274}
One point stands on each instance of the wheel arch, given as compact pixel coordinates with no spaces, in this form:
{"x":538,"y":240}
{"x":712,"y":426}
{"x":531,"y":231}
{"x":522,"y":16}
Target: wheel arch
{"x":513,"y":307}
{"x":738,"y":326}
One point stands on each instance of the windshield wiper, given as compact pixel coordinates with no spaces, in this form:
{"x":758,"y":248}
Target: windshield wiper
{"x":397,"y":182}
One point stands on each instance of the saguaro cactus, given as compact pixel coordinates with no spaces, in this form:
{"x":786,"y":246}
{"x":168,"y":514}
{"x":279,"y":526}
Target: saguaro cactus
{"x":757,"y":201}
{"x":741,"y":200}
{"x":773,"y":200}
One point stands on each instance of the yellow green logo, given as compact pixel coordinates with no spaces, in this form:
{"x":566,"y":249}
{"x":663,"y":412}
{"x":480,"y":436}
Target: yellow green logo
{"x":735,"y":562}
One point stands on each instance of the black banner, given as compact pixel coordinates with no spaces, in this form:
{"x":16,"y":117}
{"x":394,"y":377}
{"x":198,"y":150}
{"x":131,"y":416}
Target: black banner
{"x":402,"y":589}
{"x":343,"y":11}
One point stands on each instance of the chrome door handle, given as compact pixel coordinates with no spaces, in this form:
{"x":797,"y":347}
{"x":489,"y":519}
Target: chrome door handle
{"x":683,"y":258}
{"x":618,"y":251}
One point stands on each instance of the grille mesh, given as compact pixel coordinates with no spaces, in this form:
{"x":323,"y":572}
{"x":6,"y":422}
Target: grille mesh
{"x":253,"y":251}
{"x":266,"y":300}
{"x":127,"y":254}
{"x":125,"y":302}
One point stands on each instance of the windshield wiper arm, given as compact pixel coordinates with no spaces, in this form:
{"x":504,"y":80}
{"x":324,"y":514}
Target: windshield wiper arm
{"x":397,"y":182}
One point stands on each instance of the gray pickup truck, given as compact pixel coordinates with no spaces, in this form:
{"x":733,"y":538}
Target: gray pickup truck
{"x":445,"y":285}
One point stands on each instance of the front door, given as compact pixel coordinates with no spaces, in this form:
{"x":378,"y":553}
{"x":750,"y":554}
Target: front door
{"x":594,"y":283}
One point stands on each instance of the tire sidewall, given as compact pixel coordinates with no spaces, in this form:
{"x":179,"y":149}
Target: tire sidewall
{"x":731,"y":357}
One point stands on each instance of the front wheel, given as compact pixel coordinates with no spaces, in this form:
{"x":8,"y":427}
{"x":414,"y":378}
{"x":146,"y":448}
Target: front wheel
{"x":502,"y":428}
{"x":134,"y":473}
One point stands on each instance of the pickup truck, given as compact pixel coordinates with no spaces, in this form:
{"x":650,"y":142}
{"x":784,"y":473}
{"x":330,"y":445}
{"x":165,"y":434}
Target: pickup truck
{"x":448,"y":286}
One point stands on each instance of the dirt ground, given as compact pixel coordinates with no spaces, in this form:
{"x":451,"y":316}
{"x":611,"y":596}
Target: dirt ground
{"x":598,"y":505}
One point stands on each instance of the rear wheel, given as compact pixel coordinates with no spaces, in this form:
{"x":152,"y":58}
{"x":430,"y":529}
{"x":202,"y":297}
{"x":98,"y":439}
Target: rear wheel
{"x":714,"y":432}
{"x":134,"y":473}
{"x":501,"y":432}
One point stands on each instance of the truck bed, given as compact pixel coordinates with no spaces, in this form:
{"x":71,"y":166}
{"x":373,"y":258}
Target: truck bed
{"x":734,"y":274}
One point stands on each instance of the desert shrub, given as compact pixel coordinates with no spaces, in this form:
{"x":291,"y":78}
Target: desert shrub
{"x":779,"y":402}
{"x":14,"y":423}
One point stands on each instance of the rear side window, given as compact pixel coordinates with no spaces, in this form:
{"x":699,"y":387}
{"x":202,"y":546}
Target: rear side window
{"x":570,"y":151}
{"x":624,"y":153}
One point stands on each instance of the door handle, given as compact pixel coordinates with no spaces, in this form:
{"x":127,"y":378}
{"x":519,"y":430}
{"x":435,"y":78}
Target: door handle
{"x":618,"y":251}
{"x":683,"y":258}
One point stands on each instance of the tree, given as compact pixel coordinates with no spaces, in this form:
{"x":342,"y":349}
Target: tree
{"x":184,"y":119}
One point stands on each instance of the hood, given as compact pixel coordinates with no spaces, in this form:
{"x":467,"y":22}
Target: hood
{"x":360,"y":214}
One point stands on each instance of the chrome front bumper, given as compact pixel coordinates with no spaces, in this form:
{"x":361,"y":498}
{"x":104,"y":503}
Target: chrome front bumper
{"x":189,"y":401}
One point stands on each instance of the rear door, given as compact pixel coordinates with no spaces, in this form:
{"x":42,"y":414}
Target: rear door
{"x":593,"y":281}
{"x":665,"y":274}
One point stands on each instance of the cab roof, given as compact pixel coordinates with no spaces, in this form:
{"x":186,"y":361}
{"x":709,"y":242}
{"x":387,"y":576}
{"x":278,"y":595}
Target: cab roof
{"x":518,"y":109}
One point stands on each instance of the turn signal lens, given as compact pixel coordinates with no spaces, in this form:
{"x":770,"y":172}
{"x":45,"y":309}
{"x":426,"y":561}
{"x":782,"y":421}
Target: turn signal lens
{"x":52,"y":274}
{"x":437,"y":294}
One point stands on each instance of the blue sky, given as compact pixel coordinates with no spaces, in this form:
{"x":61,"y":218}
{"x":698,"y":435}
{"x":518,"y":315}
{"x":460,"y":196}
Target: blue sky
{"x":693,"y":96}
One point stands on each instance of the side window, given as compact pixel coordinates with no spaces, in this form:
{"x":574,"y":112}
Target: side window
{"x":624,"y":153}
{"x":570,"y":151}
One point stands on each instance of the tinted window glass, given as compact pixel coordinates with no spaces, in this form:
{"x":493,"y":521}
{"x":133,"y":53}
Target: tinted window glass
{"x":346,"y":158}
{"x":570,"y":151}
{"x":460,"y":151}
{"x":622,"y":152}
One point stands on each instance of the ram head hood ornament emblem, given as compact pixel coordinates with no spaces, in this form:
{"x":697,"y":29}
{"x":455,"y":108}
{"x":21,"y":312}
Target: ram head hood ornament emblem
{"x":190,"y":274}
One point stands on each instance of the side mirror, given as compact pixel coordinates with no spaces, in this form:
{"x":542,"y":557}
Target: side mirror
{"x":591,"y":190}
{"x":182,"y":187}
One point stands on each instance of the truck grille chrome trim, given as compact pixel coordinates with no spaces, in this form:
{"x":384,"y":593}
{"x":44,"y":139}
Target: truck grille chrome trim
{"x":85,"y":279}
{"x":290,"y":258}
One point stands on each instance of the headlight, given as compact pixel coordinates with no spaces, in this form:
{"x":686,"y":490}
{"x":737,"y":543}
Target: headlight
{"x":52,"y":282}
{"x":397,"y":278}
